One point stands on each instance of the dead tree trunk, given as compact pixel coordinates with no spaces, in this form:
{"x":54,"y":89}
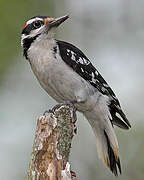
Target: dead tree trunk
{"x":52,"y":143}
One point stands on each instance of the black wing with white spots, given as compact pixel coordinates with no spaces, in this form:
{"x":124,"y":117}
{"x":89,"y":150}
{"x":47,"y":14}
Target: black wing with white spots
{"x":81,"y":64}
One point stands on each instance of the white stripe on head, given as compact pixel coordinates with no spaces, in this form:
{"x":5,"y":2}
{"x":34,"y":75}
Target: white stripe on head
{"x":32,"y":20}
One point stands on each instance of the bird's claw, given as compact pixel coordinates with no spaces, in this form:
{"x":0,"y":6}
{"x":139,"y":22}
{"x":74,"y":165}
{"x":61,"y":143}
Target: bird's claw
{"x":47,"y":111}
{"x":57,"y":106}
{"x":70,"y":103}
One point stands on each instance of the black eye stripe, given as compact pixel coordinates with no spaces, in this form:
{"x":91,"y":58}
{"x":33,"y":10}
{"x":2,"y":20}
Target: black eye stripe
{"x":31,"y":27}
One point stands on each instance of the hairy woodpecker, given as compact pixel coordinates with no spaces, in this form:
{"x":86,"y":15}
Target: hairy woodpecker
{"x":66,"y":74}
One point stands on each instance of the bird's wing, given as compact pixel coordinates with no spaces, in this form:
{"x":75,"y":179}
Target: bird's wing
{"x":75,"y":58}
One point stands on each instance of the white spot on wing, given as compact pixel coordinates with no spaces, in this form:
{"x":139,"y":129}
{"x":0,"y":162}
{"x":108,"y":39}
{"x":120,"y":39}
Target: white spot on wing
{"x":106,"y":85}
{"x":93,"y":75}
{"x":68,"y":50}
{"x":81,"y":60}
{"x":82,"y":70}
{"x":73,"y":56}
{"x":94,"y":80}
{"x":86,"y":62}
{"x":96,"y":72}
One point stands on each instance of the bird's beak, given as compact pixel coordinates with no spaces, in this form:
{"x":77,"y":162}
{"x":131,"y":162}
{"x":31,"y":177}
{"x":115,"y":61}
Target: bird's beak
{"x":51,"y":22}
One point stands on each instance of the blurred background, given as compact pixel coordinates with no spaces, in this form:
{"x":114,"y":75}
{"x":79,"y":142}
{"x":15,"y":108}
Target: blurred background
{"x":111,"y":33}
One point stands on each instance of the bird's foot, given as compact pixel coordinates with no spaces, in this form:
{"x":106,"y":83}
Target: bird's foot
{"x":47,"y":112}
{"x":70,"y":103}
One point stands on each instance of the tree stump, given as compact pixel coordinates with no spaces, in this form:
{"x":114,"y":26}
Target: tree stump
{"x":52,"y":144}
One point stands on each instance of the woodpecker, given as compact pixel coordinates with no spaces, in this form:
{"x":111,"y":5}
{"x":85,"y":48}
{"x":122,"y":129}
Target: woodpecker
{"x":66,"y":74}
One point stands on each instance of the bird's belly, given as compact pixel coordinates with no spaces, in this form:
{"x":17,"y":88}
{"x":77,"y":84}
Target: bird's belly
{"x":62,"y":83}
{"x":60,"y":88}
{"x":64,"y":86}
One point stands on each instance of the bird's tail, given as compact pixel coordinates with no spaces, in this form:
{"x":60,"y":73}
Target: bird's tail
{"x":106,"y":141}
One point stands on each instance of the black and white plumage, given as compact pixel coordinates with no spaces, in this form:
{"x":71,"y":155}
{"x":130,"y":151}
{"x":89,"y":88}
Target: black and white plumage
{"x":81,"y":64}
{"x":67,"y":75}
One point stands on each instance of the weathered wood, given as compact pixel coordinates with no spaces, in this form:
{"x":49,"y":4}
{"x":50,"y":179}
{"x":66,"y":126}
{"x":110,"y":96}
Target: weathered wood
{"x":52,"y":143}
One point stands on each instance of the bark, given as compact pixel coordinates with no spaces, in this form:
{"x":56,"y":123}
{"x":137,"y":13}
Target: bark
{"x":52,"y":143}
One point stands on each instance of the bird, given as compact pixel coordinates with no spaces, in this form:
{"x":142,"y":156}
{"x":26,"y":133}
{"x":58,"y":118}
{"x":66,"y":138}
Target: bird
{"x":66,"y":74}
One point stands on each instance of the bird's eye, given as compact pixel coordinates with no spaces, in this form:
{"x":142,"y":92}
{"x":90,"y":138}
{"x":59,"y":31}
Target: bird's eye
{"x":37,"y":24}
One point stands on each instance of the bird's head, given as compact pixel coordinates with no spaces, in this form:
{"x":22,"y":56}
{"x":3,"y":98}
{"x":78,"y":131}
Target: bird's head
{"x":39,"y":28}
